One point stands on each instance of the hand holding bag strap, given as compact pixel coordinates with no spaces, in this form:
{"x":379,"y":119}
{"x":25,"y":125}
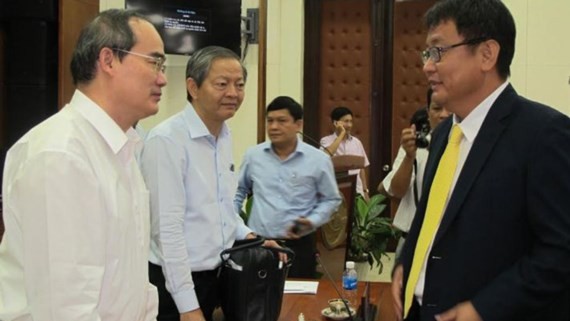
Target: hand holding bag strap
{"x":258,"y":241}
{"x":243,"y":244}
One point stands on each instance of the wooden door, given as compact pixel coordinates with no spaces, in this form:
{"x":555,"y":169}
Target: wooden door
{"x":73,"y":16}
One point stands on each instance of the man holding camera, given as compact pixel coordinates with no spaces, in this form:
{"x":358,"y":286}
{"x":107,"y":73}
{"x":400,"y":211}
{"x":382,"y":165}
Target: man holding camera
{"x":404,"y":182}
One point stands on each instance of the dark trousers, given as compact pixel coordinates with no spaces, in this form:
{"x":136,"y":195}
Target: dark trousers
{"x":305,"y":264}
{"x":206,"y":285}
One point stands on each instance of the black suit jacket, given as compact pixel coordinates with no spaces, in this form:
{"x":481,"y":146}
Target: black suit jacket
{"x":504,"y":240}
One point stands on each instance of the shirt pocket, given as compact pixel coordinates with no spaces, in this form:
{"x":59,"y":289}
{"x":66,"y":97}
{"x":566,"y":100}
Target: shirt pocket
{"x":302,"y":187}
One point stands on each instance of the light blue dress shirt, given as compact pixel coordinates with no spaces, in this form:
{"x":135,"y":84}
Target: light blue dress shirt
{"x":191,"y":180}
{"x":304,"y":185}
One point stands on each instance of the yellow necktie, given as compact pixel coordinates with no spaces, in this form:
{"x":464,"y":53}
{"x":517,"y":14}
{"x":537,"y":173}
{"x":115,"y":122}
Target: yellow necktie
{"x":436,"y":202}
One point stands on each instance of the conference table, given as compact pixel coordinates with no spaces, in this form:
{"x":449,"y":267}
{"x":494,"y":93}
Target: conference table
{"x":311,"y":305}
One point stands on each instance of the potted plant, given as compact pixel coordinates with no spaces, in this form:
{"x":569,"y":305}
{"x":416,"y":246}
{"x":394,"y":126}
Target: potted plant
{"x":371,"y":231}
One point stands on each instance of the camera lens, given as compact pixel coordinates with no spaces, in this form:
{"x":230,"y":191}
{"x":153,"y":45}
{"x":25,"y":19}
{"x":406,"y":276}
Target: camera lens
{"x":421,"y":140}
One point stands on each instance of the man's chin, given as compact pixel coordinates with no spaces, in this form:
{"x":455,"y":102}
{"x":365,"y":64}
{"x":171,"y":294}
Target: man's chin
{"x":439,"y":98}
{"x":153,"y":110}
{"x":228,"y":114}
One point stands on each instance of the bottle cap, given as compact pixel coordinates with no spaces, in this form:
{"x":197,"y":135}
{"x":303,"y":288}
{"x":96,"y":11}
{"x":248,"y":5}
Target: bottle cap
{"x":349,"y":264}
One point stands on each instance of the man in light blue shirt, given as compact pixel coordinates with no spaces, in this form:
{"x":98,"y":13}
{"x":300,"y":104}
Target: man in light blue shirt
{"x":188,"y":167}
{"x":293,"y":184}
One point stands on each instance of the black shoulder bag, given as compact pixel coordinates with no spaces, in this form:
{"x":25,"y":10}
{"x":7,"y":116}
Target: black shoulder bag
{"x":252,"y":280}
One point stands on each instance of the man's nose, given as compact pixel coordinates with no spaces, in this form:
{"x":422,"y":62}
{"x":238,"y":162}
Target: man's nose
{"x":232,"y":90}
{"x":428,"y":67}
{"x":161,"y":80}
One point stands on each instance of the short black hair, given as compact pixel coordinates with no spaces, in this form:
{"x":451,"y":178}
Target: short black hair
{"x":109,"y":29}
{"x":284,"y":102}
{"x":487,"y":19}
{"x":339,"y":112}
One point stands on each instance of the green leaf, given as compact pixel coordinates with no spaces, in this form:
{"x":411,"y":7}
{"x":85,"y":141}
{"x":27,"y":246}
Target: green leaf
{"x":248,"y":205}
{"x":371,"y":231}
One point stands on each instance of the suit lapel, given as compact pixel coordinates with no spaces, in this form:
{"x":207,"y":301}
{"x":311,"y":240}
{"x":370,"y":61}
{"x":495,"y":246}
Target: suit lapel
{"x":490,"y":132}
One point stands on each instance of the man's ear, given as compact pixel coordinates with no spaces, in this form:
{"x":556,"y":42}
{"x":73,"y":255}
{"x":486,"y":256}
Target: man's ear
{"x":192,"y":87}
{"x":489,"y":54}
{"x":106,"y":59}
{"x":299,"y":123}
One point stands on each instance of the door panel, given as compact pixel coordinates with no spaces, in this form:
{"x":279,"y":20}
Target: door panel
{"x":74,"y":15}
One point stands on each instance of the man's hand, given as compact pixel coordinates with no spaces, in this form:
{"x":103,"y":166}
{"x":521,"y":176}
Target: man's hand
{"x":301,"y":228}
{"x":339,"y":128}
{"x":464,"y":311}
{"x":275,"y":245}
{"x":269,"y":243}
{"x":194,"y":315}
{"x":408,"y":141}
{"x":366,"y":196}
{"x":397,"y":285}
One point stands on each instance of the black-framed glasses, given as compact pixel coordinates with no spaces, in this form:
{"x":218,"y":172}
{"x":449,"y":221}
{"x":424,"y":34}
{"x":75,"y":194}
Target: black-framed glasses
{"x":435,"y":53}
{"x":157,"y":61}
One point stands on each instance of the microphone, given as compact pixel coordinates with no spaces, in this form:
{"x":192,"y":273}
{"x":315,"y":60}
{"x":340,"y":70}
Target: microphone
{"x":329,"y":277}
{"x":314,"y":141}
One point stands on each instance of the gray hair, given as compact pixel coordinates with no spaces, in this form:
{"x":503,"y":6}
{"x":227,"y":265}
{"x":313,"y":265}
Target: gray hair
{"x":200,"y":63}
{"x":110,"y":29}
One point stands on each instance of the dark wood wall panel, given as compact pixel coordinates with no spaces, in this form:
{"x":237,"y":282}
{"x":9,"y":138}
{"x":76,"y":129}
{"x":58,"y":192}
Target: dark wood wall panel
{"x":409,"y":82}
{"x":73,"y":16}
{"x":2,"y":84}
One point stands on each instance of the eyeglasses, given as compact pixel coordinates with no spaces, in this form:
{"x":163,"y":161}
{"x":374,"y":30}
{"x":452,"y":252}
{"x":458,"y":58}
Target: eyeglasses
{"x":158,"y":61}
{"x":434,"y":53}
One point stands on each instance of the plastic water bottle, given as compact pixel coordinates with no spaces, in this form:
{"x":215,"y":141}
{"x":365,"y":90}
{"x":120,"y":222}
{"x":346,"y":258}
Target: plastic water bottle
{"x":350,"y":284}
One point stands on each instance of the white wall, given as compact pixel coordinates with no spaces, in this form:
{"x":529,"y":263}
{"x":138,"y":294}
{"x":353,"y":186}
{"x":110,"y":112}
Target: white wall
{"x":541,"y":66}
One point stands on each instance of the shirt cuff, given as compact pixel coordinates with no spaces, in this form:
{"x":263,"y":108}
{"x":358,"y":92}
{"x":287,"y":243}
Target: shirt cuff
{"x":186,"y":301}
{"x":316,"y":221}
{"x":242,"y":232}
{"x":388,"y":188}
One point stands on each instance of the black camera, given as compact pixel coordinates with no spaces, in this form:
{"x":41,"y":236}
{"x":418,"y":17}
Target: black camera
{"x":421,"y":120}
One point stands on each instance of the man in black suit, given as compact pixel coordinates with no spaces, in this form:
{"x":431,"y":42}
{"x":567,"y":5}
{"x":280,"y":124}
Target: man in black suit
{"x":500,"y":250}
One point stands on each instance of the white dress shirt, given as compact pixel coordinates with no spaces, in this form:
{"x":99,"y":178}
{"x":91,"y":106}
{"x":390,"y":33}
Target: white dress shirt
{"x":77,"y":222}
{"x":407,"y":207}
{"x":192,"y":183}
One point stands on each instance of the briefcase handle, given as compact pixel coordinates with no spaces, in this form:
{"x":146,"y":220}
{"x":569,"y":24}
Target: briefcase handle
{"x":257,"y":241}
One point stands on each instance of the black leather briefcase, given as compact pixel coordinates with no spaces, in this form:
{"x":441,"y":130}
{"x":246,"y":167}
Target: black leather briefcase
{"x":252,"y":280}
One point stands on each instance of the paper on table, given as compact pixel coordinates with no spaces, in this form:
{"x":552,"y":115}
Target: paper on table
{"x":301,"y":287}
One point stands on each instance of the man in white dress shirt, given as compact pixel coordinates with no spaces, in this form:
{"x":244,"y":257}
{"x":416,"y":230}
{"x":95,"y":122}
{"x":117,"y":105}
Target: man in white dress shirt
{"x":75,"y":204}
{"x":404,"y":182}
